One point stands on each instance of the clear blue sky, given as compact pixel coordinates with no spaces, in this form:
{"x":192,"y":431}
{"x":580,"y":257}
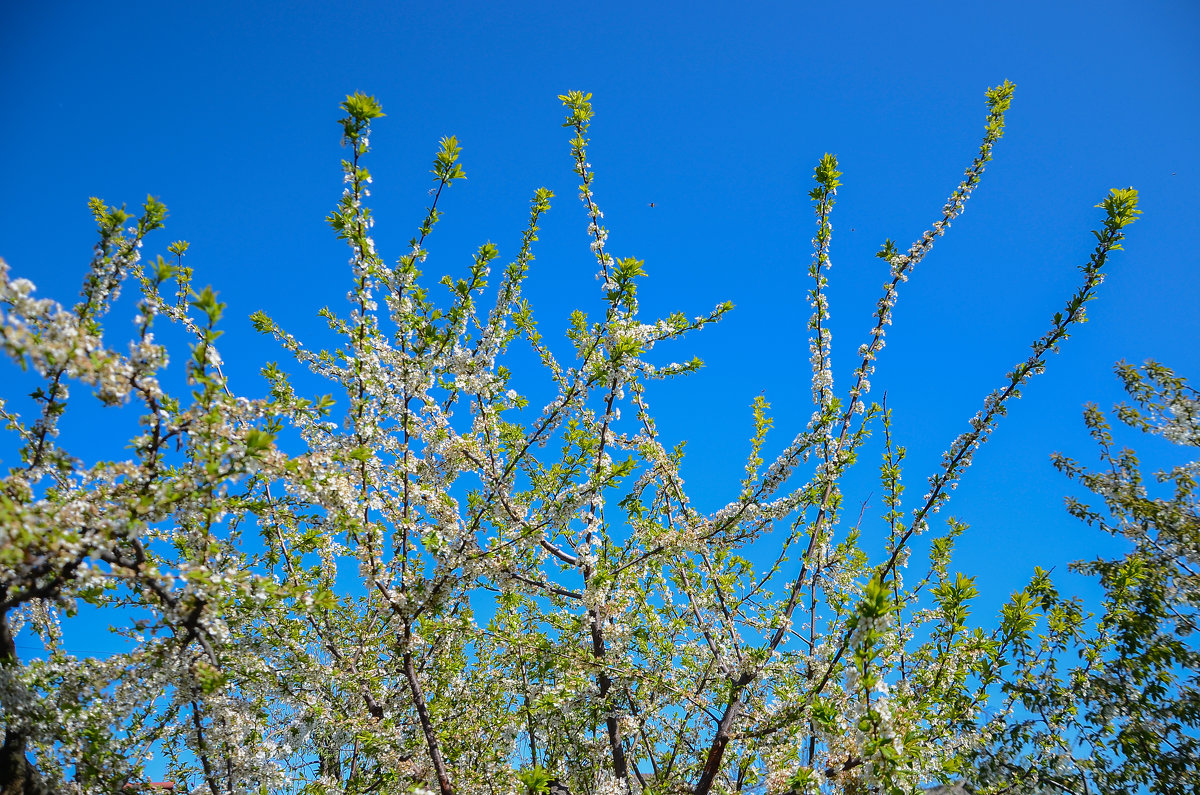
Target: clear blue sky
{"x":716,"y":113}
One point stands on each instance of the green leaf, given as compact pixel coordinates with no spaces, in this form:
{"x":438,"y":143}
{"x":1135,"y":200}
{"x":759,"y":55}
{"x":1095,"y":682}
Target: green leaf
{"x":362,"y":107}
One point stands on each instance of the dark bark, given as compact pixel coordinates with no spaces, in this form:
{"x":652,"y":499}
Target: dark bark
{"x":18,"y":776}
{"x":431,"y":739}
{"x":716,"y":751}
{"x":615,"y":742}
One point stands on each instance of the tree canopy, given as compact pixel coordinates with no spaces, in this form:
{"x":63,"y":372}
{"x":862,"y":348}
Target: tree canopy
{"x":426,"y":580}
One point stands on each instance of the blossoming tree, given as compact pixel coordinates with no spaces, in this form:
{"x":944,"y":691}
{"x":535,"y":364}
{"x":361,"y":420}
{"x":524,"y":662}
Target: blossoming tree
{"x":431,"y":583}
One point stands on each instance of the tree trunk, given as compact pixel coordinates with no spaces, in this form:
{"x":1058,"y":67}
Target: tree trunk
{"x":18,"y":776}
{"x":431,"y":740}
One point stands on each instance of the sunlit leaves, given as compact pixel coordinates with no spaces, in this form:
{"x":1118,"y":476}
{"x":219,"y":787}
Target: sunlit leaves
{"x":449,"y":574}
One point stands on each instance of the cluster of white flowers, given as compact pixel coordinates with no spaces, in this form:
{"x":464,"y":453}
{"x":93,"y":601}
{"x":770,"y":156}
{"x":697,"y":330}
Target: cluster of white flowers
{"x":408,"y":582}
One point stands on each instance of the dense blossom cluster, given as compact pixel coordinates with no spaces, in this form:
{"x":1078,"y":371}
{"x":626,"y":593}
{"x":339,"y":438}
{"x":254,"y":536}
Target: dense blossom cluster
{"x":431,"y":584}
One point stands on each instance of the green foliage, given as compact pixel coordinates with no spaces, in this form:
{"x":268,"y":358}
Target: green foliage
{"x":206,"y":301}
{"x":362,"y":108}
{"x":826,"y":174}
{"x":446,"y":166}
{"x":536,"y":779}
{"x":1126,"y":718}
{"x":433,"y":582}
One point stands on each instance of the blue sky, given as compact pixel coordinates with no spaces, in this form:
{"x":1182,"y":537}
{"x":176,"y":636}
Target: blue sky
{"x":716,"y":114}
